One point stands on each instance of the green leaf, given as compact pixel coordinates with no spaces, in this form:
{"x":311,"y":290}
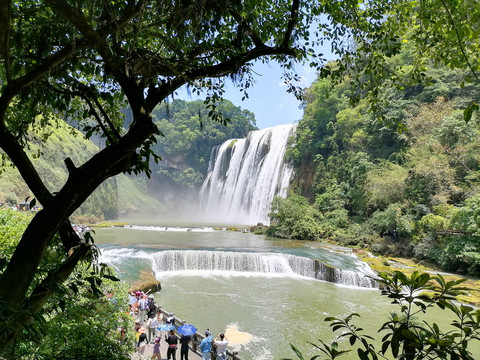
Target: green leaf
{"x":409,"y":335}
{"x":297,"y":352}
{"x":468,"y":112}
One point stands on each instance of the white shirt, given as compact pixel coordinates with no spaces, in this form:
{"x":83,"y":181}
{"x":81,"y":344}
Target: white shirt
{"x":221,"y":346}
{"x":153,"y":323}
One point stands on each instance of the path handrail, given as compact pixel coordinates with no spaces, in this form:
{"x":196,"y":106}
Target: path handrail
{"x":197,"y":339}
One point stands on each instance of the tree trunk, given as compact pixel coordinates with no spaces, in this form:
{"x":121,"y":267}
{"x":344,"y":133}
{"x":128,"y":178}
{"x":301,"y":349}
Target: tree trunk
{"x":20,"y":273}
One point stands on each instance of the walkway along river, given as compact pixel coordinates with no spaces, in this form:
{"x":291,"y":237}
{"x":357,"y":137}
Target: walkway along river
{"x":194,"y":352}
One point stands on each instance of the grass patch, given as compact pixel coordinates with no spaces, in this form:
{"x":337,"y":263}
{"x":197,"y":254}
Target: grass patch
{"x":408,"y":266}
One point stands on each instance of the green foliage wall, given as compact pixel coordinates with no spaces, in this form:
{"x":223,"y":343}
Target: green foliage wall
{"x":390,"y":172}
{"x":190,"y":135}
{"x":64,"y":142}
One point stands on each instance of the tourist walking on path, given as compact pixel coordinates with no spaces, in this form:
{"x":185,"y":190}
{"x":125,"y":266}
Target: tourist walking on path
{"x":156,"y":350}
{"x":184,"y":340}
{"x":172,"y":341}
{"x":142,"y":308}
{"x":221,"y":347}
{"x":206,"y":346}
{"x":142,"y":341}
{"x":152,"y":328}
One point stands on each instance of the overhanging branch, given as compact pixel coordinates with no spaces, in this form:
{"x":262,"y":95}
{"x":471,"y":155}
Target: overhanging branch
{"x":291,"y":23}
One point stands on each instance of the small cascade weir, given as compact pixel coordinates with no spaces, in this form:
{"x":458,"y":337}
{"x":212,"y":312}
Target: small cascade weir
{"x":244,"y":176}
{"x":253,"y":262}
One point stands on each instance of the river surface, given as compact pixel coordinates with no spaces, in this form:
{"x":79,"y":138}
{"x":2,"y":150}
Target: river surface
{"x":208,"y":280}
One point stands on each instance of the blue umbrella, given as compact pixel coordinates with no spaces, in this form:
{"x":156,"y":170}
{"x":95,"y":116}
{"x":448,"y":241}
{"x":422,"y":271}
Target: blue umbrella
{"x":166,"y":327}
{"x":187,"y":329}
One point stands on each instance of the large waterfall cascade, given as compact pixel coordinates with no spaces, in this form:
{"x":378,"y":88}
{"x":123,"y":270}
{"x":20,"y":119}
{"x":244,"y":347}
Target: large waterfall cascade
{"x":245,"y":175}
{"x":253,"y":262}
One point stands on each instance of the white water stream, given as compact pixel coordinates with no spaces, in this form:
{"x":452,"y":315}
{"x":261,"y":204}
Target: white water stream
{"x":245,"y":175}
{"x":167,"y":262}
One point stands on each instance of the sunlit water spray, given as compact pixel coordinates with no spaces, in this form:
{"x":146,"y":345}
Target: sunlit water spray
{"x":230,"y":263}
{"x":245,"y":175}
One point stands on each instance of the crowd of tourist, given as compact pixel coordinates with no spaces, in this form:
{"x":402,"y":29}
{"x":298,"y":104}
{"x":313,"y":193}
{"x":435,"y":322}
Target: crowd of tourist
{"x":151,"y":326}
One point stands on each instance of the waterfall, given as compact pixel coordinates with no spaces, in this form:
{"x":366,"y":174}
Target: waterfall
{"x":253,"y":262}
{"x":244,"y":176}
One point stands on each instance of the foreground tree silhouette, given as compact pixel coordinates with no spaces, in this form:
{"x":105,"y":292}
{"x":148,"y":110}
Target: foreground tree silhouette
{"x":86,"y":60}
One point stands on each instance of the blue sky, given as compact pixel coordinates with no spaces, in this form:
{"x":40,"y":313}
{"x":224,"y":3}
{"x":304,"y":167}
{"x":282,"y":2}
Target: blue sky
{"x":268,"y":97}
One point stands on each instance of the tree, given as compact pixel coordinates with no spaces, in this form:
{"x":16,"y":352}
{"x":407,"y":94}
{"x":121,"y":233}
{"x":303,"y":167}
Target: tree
{"x":85,"y":61}
{"x":69,"y":324}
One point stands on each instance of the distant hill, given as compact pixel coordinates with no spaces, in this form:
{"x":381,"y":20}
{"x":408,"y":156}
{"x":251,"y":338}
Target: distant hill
{"x":189,"y":136}
{"x":107,"y":202}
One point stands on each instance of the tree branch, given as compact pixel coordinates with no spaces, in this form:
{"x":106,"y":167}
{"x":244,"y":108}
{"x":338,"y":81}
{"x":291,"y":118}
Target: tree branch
{"x":156,"y":95}
{"x":97,"y":39}
{"x":5,"y":6}
{"x":291,"y":23}
{"x":459,"y":39}
{"x":94,"y":96}
{"x":17,"y":155}
{"x":42,"y":293}
{"x":244,"y":25}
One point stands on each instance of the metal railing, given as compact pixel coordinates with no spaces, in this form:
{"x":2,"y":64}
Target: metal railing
{"x":197,"y":339}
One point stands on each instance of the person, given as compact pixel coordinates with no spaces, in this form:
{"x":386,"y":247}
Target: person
{"x":206,"y":345}
{"x":221,"y":347}
{"x":156,"y":350}
{"x":142,"y":308}
{"x":132,"y":300}
{"x":172,"y":341}
{"x":137,"y":326}
{"x":184,"y":340}
{"x":152,"y":328}
{"x":142,"y":341}
{"x":152,"y":308}
{"x":171,"y":319}
{"x":160,"y":321}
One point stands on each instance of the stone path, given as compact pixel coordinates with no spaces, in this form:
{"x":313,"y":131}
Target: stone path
{"x":163,"y":353}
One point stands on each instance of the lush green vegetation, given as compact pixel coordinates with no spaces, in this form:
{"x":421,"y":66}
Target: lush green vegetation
{"x":63,"y":142}
{"x":185,"y":147}
{"x":406,"y":186}
{"x":87,"y":61}
{"x":189,"y":135}
{"x":83,"y":318}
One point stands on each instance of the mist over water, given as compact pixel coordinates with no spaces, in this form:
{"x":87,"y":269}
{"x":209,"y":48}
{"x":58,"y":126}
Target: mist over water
{"x":245,"y":175}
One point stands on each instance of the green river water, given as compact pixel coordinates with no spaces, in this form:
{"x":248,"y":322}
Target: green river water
{"x":263,"y":311}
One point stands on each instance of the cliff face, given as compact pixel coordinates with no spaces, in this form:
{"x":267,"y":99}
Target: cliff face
{"x":304,"y":180}
{"x":174,"y":162}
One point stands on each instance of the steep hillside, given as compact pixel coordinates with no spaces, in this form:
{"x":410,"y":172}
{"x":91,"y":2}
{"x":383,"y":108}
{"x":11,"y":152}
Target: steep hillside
{"x":189,"y":135}
{"x":404,"y":182}
{"x":107,"y":202}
